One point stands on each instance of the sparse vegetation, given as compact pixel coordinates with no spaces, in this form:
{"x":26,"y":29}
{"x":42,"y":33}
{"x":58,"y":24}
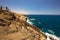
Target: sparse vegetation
{"x":14,"y":27}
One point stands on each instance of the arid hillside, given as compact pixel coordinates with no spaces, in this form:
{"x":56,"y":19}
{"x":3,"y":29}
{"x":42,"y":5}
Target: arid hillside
{"x":14,"y":27}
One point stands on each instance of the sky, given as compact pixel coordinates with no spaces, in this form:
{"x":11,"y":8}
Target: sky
{"x":39,"y":7}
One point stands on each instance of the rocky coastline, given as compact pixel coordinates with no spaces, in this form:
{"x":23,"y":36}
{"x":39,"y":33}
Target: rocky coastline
{"x":14,"y":26}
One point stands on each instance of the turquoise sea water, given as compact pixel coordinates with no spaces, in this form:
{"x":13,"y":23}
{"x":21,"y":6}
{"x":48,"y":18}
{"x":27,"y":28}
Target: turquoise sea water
{"x":47,"y":23}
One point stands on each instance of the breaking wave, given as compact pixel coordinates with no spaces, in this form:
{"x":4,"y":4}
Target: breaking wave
{"x":28,"y":20}
{"x":51,"y":35}
{"x":46,"y":33}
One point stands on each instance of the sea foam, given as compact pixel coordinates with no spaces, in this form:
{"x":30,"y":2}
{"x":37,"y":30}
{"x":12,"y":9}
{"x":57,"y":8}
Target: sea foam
{"x":47,"y":34}
{"x":28,"y":20}
{"x":51,"y":35}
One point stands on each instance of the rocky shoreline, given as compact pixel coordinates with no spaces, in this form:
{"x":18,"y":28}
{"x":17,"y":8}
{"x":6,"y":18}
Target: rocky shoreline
{"x":14,"y":26}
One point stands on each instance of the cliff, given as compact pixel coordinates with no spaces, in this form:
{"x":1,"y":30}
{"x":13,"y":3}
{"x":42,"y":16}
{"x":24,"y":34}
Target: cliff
{"x":14,"y":27}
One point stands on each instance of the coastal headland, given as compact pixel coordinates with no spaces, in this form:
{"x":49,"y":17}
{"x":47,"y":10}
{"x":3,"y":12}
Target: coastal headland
{"x":14,"y":26}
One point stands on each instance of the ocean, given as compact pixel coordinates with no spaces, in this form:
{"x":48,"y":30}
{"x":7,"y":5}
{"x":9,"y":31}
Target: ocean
{"x":47,"y":23}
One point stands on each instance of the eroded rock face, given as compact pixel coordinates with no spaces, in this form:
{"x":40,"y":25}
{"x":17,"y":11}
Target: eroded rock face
{"x":14,"y":27}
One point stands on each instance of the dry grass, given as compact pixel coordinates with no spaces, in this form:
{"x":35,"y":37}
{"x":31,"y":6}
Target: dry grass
{"x":14,"y":27}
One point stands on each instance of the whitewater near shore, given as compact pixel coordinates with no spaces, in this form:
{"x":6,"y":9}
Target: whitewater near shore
{"x":15,"y":26}
{"x":45,"y":33}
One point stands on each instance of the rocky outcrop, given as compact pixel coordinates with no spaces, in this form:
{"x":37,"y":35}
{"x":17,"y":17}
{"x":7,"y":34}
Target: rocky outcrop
{"x":14,"y":27}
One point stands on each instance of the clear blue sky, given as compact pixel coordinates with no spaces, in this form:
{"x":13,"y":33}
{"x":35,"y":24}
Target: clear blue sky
{"x":34,"y":6}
